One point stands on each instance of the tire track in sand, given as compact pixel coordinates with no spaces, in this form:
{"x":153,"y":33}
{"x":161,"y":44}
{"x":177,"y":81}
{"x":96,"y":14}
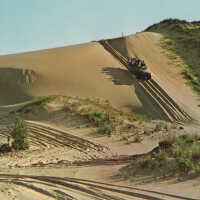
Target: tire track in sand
{"x":73,"y":189}
{"x":167,"y":105}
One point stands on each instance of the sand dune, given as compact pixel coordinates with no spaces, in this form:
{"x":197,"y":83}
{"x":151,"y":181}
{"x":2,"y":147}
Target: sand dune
{"x":88,"y":70}
{"x":81,"y":70}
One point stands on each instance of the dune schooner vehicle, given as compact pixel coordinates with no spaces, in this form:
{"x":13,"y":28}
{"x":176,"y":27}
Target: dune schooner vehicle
{"x":139,"y":69}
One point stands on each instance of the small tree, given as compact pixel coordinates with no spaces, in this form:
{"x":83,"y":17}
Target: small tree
{"x":20,"y":135}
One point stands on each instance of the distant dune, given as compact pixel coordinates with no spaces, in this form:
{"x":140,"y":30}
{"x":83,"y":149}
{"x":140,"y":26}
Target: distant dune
{"x":89,"y":71}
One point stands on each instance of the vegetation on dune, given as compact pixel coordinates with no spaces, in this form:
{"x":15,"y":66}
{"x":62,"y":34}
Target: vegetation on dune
{"x":95,"y":113}
{"x":175,"y":156}
{"x":4,"y":148}
{"x":101,"y":115}
{"x":98,"y":118}
{"x":182,"y":40}
{"x":20,"y":135}
{"x":35,"y":104}
{"x":98,"y":114}
{"x":102,"y":121}
{"x":106,"y":129}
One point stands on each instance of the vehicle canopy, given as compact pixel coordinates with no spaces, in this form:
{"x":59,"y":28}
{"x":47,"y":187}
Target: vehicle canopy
{"x":144,"y":70}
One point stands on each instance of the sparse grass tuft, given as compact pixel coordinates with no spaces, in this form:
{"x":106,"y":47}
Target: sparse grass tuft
{"x":4,"y":148}
{"x":140,"y":117}
{"x":106,"y":129}
{"x":102,"y":121}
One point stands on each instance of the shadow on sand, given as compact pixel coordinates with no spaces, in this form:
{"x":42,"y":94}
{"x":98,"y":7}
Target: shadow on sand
{"x":123,"y":77}
{"x":13,"y":85}
{"x":118,"y":76}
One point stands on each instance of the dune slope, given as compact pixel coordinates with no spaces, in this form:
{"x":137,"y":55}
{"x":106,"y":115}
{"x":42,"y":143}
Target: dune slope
{"x":89,"y":71}
{"x":146,"y":46}
{"x":86,"y":70}
{"x":76,"y":70}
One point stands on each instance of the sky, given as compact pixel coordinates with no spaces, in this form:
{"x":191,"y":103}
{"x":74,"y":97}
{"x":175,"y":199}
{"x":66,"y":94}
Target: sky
{"x":28,"y":25}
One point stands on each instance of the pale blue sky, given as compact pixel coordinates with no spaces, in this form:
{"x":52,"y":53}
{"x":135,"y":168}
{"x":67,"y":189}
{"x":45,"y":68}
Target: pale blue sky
{"x":39,"y":24}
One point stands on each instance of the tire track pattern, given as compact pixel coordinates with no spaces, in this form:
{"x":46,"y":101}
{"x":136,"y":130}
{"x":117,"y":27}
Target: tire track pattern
{"x":46,"y":136}
{"x":73,"y":189}
{"x":61,"y":138}
{"x":168,"y":106}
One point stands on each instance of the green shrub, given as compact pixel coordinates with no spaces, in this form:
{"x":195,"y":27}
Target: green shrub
{"x":106,"y":129}
{"x":4,"y":148}
{"x":98,"y":118}
{"x":102,"y":121}
{"x":186,"y":150}
{"x":20,"y":135}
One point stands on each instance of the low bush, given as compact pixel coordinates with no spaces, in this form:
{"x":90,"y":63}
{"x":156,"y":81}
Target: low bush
{"x":102,"y":121}
{"x":98,"y":118}
{"x":20,"y":135}
{"x":106,"y":129}
{"x":4,"y":148}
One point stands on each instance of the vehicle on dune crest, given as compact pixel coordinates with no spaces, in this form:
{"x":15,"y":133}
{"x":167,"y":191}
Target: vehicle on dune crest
{"x":139,"y":68}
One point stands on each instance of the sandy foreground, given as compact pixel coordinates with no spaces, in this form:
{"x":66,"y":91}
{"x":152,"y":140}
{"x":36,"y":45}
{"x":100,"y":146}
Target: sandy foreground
{"x":102,"y":175}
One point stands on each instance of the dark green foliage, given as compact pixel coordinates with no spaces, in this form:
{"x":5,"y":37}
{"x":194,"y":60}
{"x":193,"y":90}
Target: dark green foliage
{"x":20,"y":135}
{"x":98,"y":118}
{"x":106,"y":129}
{"x":102,"y":121}
{"x":4,"y":148}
